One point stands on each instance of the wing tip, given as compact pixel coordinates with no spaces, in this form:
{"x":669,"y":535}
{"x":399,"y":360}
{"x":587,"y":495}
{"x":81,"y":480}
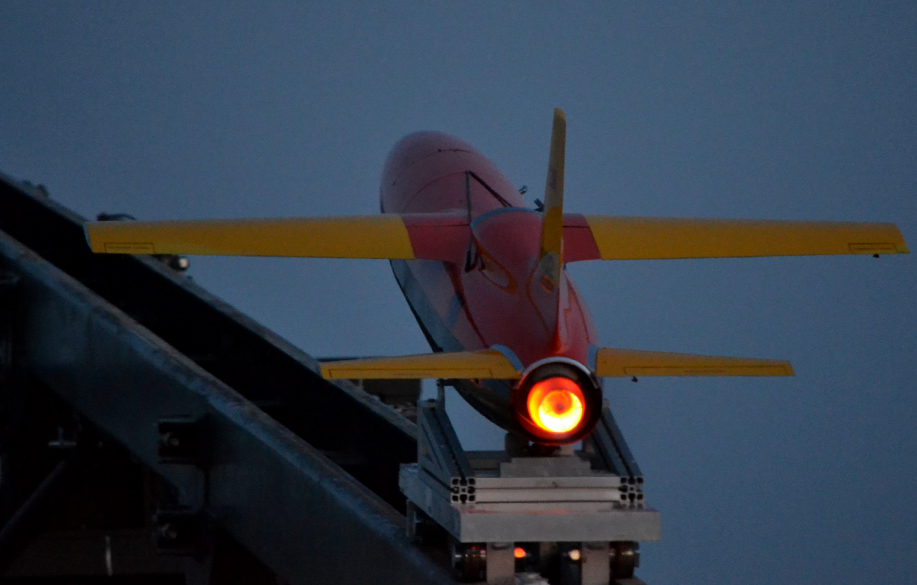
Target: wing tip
{"x":900,"y":243}
{"x":326,"y":371}
{"x":93,"y":243}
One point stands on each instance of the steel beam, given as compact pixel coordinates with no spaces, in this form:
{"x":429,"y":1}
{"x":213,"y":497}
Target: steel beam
{"x":280,"y":497}
{"x":364,"y":436}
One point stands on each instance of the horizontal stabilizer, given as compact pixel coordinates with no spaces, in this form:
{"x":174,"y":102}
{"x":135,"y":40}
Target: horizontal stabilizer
{"x":405,"y":237}
{"x":486,"y":364}
{"x":612,"y":362}
{"x":601,"y":237}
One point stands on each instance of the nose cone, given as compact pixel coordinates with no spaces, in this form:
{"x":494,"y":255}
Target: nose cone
{"x":417,"y":146}
{"x":416,"y":176}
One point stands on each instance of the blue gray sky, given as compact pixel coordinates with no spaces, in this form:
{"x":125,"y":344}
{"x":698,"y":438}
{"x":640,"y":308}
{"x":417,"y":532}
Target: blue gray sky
{"x":760,"y":110}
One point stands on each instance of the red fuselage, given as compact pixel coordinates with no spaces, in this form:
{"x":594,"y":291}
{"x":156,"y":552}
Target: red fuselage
{"x":489,"y":298}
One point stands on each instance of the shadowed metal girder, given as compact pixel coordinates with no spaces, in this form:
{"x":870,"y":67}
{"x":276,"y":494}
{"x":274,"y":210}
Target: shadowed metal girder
{"x":278,"y":495}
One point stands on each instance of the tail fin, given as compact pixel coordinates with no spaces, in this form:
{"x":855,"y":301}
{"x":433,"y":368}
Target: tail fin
{"x":546,"y":288}
{"x":612,"y":362}
{"x":552,"y":227}
{"x":486,"y":364}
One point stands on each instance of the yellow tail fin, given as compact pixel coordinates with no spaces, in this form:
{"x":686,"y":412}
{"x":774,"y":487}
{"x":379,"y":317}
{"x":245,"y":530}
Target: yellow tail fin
{"x":552,"y":227}
{"x":612,"y":362}
{"x":485,"y":364}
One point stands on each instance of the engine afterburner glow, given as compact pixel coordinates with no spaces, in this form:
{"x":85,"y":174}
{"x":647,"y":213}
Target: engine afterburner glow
{"x":556,"y":404}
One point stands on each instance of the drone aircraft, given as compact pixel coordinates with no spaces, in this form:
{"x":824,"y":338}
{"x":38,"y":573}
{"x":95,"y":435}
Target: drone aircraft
{"x":484,"y":275}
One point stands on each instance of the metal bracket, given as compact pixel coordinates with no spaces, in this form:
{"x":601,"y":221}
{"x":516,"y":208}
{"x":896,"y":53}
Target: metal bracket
{"x":180,"y":441}
{"x":177,"y":532}
{"x":501,"y":564}
{"x":608,"y":450}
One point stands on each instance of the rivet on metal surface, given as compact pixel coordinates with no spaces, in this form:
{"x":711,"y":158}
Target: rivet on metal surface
{"x":180,"y":441}
{"x":176,"y":532}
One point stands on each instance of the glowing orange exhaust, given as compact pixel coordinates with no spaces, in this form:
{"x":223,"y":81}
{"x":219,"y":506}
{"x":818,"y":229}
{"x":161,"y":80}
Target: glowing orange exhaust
{"x":556,"y":404}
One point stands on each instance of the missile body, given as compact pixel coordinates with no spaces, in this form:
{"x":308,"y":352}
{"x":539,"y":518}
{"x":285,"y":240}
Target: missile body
{"x":493,"y":296}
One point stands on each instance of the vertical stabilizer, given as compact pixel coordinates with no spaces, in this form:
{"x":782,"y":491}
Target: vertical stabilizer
{"x":552,"y":229}
{"x":547,"y":277}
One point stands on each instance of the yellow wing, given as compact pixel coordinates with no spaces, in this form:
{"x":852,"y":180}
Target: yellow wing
{"x":611,"y":362}
{"x":487,"y":364}
{"x":377,"y":236}
{"x":387,"y":236}
{"x":645,"y":238}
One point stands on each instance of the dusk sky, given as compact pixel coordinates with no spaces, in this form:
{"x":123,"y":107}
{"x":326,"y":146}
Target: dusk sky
{"x":174,"y":110}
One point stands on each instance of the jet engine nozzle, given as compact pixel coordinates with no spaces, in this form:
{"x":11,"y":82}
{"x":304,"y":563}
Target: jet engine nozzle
{"x":557,"y":402}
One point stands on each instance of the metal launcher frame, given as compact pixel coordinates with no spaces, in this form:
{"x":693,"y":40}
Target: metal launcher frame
{"x":578,"y":515}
